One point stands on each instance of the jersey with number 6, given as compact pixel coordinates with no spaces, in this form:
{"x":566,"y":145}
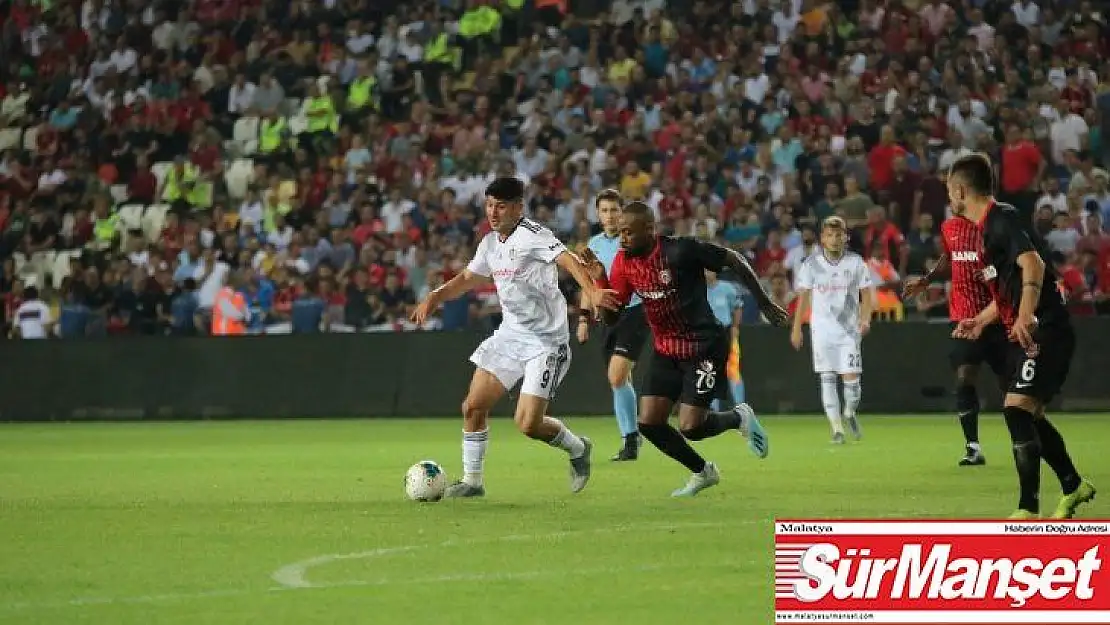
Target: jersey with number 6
{"x":834,"y":288}
{"x":527,"y":280}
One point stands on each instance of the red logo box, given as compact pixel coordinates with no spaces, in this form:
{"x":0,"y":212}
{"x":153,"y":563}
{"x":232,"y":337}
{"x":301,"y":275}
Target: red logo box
{"x":950,"y":572}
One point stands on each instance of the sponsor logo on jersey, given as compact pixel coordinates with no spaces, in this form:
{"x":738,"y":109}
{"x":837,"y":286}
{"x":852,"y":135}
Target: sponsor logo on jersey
{"x":966,"y":257}
{"x":655,"y":294}
{"x":941,"y":572}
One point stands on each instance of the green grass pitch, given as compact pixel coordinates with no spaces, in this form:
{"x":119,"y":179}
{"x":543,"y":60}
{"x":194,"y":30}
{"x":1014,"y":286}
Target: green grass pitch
{"x":305,"y":521}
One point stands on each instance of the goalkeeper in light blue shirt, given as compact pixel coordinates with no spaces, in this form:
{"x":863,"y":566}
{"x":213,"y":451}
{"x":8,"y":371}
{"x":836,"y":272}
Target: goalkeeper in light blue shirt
{"x":624,"y":341}
{"x":728,"y":307}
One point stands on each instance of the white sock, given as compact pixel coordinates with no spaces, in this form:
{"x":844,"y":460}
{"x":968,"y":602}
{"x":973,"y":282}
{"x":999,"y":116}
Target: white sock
{"x":830,"y":398}
{"x":568,"y":441}
{"x":474,"y":456}
{"x":853,"y":392}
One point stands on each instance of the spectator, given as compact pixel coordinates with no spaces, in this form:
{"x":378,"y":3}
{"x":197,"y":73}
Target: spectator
{"x":377,"y":133}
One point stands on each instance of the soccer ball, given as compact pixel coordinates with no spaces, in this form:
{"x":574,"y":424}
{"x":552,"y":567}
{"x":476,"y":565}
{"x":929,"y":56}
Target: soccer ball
{"x":425,"y":481}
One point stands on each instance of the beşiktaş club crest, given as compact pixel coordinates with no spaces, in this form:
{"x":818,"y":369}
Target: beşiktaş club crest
{"x":665,"y":276}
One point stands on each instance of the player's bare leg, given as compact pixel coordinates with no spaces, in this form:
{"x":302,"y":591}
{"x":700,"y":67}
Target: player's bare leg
{"x":853,"y":393}
{"x":532,"y":421}
{"x":485,"y":391}
{"x":1054,"y":451}
{"x":830,"y":400}
{"x":967,"y":408}
{"x":624,"y":406}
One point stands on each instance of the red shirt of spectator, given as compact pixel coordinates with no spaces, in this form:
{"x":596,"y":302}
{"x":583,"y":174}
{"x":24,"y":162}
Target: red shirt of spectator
{"x":1021,"y":162}
{"x":667,"y":136}
{"x":1074,"y":287}
{"x":882,"y":239}
{"x":205,"y":156}
{"x":675,"y":204}
{"x":772,"y":253}
{"x":188,"y":110}
{"x":881,"y":160}
{"x":143,"y":185}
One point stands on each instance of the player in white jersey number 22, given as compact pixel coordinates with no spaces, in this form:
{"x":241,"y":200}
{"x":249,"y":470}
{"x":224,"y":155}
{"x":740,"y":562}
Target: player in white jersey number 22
{"x":532,"y":345}
{"x":835,"y":288}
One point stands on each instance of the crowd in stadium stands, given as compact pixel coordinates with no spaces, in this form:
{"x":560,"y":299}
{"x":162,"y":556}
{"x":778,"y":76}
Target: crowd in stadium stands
{"x":326,"y":160}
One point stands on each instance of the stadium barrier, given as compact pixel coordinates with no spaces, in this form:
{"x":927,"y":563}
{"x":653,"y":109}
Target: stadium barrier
{"x":426,"y":374}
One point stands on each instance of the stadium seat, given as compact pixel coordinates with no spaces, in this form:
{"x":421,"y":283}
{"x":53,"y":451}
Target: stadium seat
{"x":245,"y":135}
{"x":60,"y":270}
{"x":238,"y":177}
{"x":160,"y":170}
{"x":10,"y":138}
{"x":30,"y":140}
{"x":119,"y":193}
{"x":131,"y":216}
{"x":298,"y":124}
{"x":154,"y":219}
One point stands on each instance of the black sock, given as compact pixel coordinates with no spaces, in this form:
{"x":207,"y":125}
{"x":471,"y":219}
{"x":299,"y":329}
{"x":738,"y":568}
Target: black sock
{"x":1027,"y":456}
{"x":967,"y":406}
{"x":667,"y":440}
{"x":1055,"y":454}
{"x":713,"y":424}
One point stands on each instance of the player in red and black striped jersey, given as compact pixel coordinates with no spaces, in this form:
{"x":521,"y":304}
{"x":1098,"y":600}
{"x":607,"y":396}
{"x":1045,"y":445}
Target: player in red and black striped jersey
{"x":962,"y":242}
{"x":1042,"y":340}
{"x":691,"y":346}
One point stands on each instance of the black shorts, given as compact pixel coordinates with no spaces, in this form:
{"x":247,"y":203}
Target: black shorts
{"x":627,"y":337}
{"x":696,"y":381}
{"x":992,"y":347}
{"x":1042,"y":375}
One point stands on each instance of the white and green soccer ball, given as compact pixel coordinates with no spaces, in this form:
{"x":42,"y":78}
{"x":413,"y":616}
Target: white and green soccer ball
{"x":425,"y":481}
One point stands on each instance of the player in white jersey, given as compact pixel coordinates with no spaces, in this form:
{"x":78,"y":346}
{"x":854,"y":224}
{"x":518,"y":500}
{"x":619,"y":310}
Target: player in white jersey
{"x":532,"y":345}
{"x":836,"y":290}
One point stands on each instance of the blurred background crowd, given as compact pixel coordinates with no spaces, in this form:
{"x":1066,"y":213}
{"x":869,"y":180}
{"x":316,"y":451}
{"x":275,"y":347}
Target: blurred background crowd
{"x":327,"y":159}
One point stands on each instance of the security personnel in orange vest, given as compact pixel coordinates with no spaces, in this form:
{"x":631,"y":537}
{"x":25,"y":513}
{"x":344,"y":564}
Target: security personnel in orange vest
{"x":230,"y":312}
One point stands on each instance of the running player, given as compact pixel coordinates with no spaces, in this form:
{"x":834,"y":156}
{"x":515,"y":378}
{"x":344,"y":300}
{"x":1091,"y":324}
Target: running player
{"x":624,"y":342}
{"x":836,"y":285}
{"x":522,"y":259}
{"x":690,"y":346}
{"x":728,"y":306}
{"x":1037,"y":323}
{"x":962,"y":240}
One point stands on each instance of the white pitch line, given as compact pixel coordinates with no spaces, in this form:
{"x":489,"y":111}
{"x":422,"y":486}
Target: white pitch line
{"x":289,"y":581}
{"x":295,"y":575}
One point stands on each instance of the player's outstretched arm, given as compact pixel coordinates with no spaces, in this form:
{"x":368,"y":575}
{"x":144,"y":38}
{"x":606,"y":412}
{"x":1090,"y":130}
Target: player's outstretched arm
{"x":594,"y":297}
{"x":774,"y":313}
{"x":454,"y":288}
{"x":973,"y":327}
{"x":796,"y":337}
{"x":916,"y":286}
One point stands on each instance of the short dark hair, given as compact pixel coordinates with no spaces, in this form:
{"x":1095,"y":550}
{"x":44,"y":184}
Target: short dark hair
{"x":976,"y":172}
{"x":30,"y":293}
{"x":638,"y":209}
{"x":506,"y":189}
{"x":610,"y":195}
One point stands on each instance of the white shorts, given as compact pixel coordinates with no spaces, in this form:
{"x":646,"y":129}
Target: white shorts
{"x":542,"y":369}
{"x":841,"y":357}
